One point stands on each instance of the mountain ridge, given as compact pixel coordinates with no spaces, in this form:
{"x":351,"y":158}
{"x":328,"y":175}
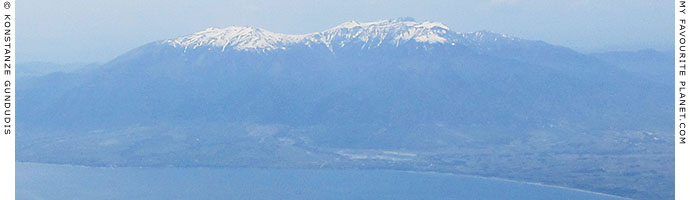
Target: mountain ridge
{"x":367,"y":34}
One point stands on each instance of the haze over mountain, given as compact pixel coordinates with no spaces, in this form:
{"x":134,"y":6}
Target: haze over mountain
{"x":392,"y":94}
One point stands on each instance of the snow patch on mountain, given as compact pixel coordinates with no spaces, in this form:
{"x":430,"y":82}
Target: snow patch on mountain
{"x":479,"y":37}
{"x":238,"y":38}
{"x":392,"y":31}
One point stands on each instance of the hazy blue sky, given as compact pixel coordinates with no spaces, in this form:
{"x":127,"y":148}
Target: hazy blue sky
{"x":98,"y":30}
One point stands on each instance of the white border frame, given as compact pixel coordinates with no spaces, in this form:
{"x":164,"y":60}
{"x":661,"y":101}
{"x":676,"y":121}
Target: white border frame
{"x":7,"y":140}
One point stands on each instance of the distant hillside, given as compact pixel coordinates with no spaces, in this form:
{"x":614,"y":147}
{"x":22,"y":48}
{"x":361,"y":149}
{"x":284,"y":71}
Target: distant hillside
{"x":649,"y":64}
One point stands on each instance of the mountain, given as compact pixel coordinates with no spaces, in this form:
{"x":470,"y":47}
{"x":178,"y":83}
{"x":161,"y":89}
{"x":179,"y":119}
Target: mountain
{"x":392,"y":94}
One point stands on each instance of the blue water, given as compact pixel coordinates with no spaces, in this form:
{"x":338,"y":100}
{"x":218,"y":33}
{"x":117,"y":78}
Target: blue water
{"x":45,"y":181}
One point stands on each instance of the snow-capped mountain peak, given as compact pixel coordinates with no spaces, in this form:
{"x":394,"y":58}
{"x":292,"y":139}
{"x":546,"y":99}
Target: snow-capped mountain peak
{"x":352,"y":33}
{"x":394,"y":31}
{"x":236,"y":37}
